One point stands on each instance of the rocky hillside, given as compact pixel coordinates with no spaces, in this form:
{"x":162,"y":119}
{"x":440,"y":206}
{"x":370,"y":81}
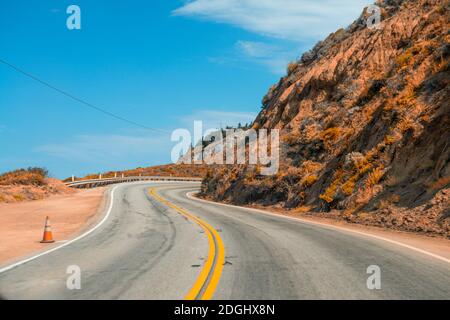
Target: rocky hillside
{"x":365,"y":126}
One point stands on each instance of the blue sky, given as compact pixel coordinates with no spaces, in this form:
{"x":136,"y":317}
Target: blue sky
{"x":161,"y":63}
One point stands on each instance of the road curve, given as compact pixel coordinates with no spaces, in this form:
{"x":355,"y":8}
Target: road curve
{"x":147,"y":249}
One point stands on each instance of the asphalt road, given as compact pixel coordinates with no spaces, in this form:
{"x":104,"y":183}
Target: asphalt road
{"x":166,"y":245}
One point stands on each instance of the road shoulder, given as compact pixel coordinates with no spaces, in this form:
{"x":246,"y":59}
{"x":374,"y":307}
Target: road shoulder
{"x":21,"y":224}
{"x":432,"y":246}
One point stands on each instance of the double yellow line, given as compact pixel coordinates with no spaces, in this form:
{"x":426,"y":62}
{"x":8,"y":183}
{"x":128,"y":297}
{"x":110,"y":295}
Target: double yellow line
{"x":207,"y":281}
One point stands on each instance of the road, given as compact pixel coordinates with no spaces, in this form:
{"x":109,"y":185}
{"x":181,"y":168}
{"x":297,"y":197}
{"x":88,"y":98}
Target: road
{"x":157,"y":243}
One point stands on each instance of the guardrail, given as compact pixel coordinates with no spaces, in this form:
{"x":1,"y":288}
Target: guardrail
{"x":106,"y":181}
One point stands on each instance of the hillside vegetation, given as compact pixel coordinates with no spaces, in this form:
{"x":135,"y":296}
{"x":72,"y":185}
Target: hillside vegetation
{"x":167,"y":170}
{"x":365,"y":126}
{"x":29,"y":184}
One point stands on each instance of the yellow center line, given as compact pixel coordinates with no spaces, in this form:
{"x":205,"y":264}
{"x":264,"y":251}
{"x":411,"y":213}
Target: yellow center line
{"x":216,"y":252}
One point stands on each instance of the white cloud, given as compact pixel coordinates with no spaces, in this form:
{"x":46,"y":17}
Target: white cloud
{"x":115,"y":150}
{"x":108,"y":149}
{"x":272,"y":56}
{"x":248,"y":53}
{"x":286,"y":19}
{"x":257,"y":49}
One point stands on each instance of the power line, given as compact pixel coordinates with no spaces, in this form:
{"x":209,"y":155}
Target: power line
{"x":71,"y":96}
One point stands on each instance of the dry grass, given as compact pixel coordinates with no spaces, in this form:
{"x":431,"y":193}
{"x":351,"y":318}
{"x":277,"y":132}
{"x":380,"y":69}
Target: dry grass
{"x":18,"y":197}
{"x":291,"y":67}
{"x":309,"y":166}
{"x":374,"y":177}
{"x":310,"y":180}
{"x":404,"y":59}
{"x":440,"y":183}
{"x":301,"y":209}
{"x":348,"y":187}
{"x":330,"y":193}
{"x":175,"y":170}
{"x":292,"y":137}
{"x":331,"y":135}
{"x":390,"y":139}
{"x":30,"y":176}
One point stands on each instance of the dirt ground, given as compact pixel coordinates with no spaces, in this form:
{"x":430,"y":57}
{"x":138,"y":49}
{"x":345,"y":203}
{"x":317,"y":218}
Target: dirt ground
{"x":22,"y":223}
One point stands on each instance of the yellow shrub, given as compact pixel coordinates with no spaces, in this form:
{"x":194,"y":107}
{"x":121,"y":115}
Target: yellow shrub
{"x":309,"y":166}
{"x":18,"y":197}
{"x":310,"y":180}
{"x":326,"y":197}
{"x":348,"y":187}
{"x":331,"y":135}
{"x":374,"y":177}
{"x":388,"y":140}
{"x":363,"y":169}
{"x":329,"y":194}
{"x":292,"y":137}
{"x":403,"y":59}
{"x":256,"y":126}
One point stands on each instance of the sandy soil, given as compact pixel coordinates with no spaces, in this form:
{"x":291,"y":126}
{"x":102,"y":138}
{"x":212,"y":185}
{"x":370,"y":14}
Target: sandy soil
{"x":19,"y":193}
{"x":22,"y":224}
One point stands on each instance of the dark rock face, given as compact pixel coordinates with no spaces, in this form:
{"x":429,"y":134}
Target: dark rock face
{"x":365,"y":120}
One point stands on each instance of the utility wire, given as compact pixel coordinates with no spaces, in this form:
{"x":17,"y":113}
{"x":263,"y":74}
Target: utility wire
{"x":71,"y":96}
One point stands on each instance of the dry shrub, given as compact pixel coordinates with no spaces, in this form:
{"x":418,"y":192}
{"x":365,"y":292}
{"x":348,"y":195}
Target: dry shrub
{"x":363,"y":168}
{"x":365,"y":195}
{"x":374,"y":177}
{"x":440,"y":183}
{"x":309,"y":166}
{"x":31,"y":176}
{"x":403,"y":59}
{"x":310,"y":180}
{"x":406,"y":124}
{"x":311,"y":132}
{"x":291,"y":67}
{"x":292,"y":137}
{"x":407,"y":97}
{"x":301,"y":209}
{"x":18,"y":197}
{"x":331,"y":136}
{"x":348,"y":187}
{"x":330,"y":192}
{"x":389,"y":140}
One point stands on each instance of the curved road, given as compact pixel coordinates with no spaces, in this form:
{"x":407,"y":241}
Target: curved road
{"x":167,"y":246}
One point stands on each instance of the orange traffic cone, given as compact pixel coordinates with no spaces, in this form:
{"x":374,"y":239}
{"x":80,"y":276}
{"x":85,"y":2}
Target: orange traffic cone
{"x":48,"y":236}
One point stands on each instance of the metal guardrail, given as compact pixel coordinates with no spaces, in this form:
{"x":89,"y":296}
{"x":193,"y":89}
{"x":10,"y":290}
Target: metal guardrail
{"x":106,"y":181}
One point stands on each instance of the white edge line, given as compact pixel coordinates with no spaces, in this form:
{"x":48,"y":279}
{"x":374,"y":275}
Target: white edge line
{"x":190,"y":196}
{"x":111,"y":202}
